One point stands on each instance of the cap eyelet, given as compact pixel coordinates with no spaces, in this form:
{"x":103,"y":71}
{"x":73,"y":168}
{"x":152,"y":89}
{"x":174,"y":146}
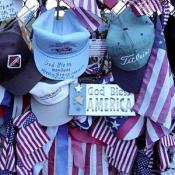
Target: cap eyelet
{"x":125,"y":28}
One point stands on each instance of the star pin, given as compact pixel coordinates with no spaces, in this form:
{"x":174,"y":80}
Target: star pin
{"x":78,"y":100}
{"x":78,"y":88}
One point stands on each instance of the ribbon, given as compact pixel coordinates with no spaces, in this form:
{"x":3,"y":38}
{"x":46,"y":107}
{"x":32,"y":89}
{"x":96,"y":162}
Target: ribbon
{"x":78,"y":138}
{"x":62,"y":151}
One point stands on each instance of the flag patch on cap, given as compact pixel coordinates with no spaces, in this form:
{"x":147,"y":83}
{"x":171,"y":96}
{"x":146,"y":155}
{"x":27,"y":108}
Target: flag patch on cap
{"x":14,"y":61}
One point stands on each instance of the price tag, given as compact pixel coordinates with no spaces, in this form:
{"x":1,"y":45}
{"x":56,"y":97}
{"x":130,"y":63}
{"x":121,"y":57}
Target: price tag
{"x":9,"y":9}
{"x":100,"y":100}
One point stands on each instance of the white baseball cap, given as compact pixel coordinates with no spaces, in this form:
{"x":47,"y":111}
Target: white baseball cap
{"x":50,"y":102}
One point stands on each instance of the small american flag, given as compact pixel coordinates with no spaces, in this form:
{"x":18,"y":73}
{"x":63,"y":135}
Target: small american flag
{"x":21,"y":170}
{"x":163,"y":145}
{"x":89,"y":5}
{"x":155,"y":97}
{"x":143,"y":164}
{"x":120,"y":153}
{"x":145,"y":7}
{"x":7,"y":158}
{"x":31,"y":136}
{"x":165,"y":12}
{"x":30,"y":141}
{"x":87,"y":11}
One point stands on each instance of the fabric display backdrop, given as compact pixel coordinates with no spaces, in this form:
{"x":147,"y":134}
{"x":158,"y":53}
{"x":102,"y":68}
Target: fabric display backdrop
{"x":89,"y":92}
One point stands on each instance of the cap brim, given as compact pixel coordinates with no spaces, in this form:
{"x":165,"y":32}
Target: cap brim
{"x":51,"y":115}
{"x":24,"y":81}
{"x":74,"y":65}
{"x":78,"y":62}
{"x":129,"y":81}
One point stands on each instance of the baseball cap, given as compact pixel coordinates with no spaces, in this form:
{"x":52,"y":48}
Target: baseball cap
{"x":18,"y":73}
{"x":61,"y":47}
{"x":129,"y":43}
{"x":49,"y":102}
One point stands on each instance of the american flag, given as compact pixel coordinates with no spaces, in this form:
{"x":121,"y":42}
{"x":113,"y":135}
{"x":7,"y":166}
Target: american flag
{"x":145,"y":7}
{"x":143,"y":163}
{"x":87,"y":11}
{"x":154,"y":132}
{"x":121,"y":154}
{"x":28,"y":161}
{"x":163,"y":145}
{"x":7,"y":158}
{"x":90,"y":5}
{"x":30,"y":141}
{"x":163,"y":156}
{"x":21,"y":170}
{"x":155,"y":96}
{"x":165,"y":12}
{"x":31,"y":136}
{"x":132,"y":128}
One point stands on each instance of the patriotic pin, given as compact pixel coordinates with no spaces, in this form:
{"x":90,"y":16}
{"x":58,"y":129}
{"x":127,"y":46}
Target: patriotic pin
{"x":14,"y":61}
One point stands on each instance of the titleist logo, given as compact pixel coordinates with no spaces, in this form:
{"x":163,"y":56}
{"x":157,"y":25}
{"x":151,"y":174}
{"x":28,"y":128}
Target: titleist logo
{"x":129,"y":59}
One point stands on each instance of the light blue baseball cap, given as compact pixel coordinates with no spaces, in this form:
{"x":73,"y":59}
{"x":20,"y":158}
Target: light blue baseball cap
{"x":61,"y":47}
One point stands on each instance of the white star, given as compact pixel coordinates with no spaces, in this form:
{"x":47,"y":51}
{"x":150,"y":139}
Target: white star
{"x":115,"y":125}
{"x":78,"y":88}
{"x":162,"y":33}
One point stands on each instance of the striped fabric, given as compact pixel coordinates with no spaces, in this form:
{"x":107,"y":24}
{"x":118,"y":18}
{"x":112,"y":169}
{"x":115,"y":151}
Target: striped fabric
{"x":120,"y":153}
{"x":89,"y":5}
{"x":94,"y":156}
{"x":154,"y":132}
{"x":155,"y":97}
{"x":87,"y":11}
{"x":21,"y":170}
{"x":19,"y":120}
{"x":145,"y":7}
{"x":30,"y":141}
{"x":164,"y":143}
{"x":163,"y":156}
{"x":28,"y":161}
{"x":132,"y":128}
{"x":91,"y":21}
{"x":31,"y":137}
{"x":168,"y":141}
{"x":7,"y":158}
{"x":165,"y":12}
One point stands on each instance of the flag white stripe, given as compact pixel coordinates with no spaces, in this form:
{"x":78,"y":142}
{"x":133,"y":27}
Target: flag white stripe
{"x":136,"y":130}
{"x":123,"y":156}
{"x":132,"y":155}
{"x":152,"y":83}
{"x":162,"y":98}
{"x":128,"y":156}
